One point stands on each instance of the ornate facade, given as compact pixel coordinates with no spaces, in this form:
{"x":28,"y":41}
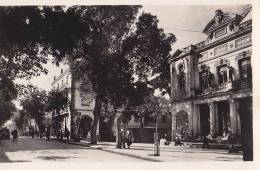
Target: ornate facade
{"x":212,"y":81}
{"x":84,"y":105}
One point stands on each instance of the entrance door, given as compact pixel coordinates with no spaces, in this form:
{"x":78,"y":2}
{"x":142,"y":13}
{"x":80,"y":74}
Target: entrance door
{"x":224,"y":124}
{"x":204,"y":119}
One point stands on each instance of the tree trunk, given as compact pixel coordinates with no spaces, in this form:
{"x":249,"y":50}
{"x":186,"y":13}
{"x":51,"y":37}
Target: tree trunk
{"x":72,"y":107}
{"x":118,"y":131}
{"x":96,"y":114}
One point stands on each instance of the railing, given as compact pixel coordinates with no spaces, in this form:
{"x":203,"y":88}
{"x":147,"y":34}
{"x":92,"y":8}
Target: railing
{"x":235,"y":85}
{"x":246,"y":25}
{"x":211,"y":90}
{"x":242,"y":84}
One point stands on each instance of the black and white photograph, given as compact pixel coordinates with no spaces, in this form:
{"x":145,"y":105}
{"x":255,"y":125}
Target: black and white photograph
{"x":127,"y":83}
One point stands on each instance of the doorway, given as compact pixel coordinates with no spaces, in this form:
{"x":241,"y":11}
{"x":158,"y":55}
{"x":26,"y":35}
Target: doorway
{"x":204,"y":119}
{"x":223,"y":117}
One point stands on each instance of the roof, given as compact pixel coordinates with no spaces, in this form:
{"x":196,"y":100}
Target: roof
{"x":220,"y":19}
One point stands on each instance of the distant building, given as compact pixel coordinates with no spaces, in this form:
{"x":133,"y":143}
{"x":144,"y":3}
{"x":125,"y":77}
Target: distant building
{"x":211,"y":81}
{"x":84,"y":105}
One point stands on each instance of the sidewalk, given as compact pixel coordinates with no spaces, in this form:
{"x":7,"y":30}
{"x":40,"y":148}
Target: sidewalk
{"x":3,"y":157}
{"x":168,"y":153}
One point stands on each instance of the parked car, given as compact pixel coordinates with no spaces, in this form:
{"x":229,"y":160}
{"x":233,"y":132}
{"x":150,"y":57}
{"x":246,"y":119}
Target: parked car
{"x":4,"y":134}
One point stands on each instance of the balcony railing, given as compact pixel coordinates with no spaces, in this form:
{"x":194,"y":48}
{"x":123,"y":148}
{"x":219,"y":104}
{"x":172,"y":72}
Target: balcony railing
{"x":242,"y":84}
{"x":234,"y":85}
{"x":211,"y":90}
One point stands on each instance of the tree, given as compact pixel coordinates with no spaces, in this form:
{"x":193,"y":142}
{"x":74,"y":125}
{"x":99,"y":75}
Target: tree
{"x":57,"y":100}
{"x":148,"y":47}
{"x":33,"y":104}
{"x":21,"y":120}
{"x":101,"y":48}
{"x":8,"y":92}
{"x":6,"y":110}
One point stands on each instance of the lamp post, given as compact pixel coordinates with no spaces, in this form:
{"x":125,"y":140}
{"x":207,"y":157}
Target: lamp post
{"x":156,"y":140}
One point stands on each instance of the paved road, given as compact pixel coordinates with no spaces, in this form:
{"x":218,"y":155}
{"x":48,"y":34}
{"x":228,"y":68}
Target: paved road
{"x":31,"y":150}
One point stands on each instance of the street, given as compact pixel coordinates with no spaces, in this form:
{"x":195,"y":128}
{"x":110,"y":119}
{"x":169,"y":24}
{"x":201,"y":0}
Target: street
{"x":31,"y":150}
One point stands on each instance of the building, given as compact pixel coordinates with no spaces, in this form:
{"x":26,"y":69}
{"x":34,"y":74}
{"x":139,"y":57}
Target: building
{"x":84,"y":105}
{"x":211,"y":81}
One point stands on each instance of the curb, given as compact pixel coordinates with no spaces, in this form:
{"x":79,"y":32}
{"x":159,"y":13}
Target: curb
{"x":112,"y":151}
{"x":130,"y":155}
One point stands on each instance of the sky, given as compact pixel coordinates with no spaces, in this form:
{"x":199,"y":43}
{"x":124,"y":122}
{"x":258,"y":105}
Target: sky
{"x":173,"y":19}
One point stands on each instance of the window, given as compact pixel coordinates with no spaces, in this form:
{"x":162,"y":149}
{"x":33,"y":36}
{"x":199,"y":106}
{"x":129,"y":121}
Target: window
{"x":181,"y":77}
{"x":220,"y":32}
{"x":203,"y":80}
{"x":223,"y":74}
{"x":67,"y":79}
{"x":245,"y":69}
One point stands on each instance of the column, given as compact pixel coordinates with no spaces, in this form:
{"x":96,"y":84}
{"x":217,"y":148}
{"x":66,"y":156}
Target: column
{"x":233,"y":116}
{"x":97,"y":132}
{"x":212,"y":118}
{"x":195,"y":115}
{"x":173,"y":121}
{"x":198,"y":120}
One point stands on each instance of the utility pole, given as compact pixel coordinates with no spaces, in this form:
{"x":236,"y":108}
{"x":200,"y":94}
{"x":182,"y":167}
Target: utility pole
{"x":156,"y":140}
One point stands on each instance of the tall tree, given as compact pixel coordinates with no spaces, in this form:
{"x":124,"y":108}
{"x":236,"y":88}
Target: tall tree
{"x":98,"y":59}
{"x":33,"y":104}
{"x":148,"y":48}
{"x":57,"y":100}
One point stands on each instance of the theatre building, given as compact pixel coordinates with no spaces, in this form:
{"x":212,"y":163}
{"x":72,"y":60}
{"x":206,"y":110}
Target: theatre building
{"x":83,"y":104}
{"x":212,"y":81}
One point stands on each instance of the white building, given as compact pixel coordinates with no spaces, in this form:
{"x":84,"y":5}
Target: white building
{"x":84,"y":104}
{"x":212,"y":80}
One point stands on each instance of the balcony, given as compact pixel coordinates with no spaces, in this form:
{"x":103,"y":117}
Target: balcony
{"x":212,"y":90}
{"x":234,"y":85}
{"x":242,"y":84}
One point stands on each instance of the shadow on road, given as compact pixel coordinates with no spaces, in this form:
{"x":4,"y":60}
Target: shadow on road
{"x":55,"y":158}
{"x":34,"y":145}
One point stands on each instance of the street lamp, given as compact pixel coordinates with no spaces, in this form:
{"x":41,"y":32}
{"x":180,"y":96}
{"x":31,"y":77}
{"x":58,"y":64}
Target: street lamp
{"x":156,"y":140}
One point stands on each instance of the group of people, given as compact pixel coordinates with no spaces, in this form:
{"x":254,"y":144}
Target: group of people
{"x":60,"y":134}
{"x":127,"y":139}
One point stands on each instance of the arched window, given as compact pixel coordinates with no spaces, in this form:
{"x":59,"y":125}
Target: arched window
{"x":245,"y":69}
{"x":181,"y":77}
{"x":223,"y":74}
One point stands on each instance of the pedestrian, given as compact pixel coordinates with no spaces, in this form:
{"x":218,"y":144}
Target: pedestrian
{"x":32,"y":133}
{"x":48,"y":133}
{"x":15,"y":135}
{"x":129,"y":139}
{"x":177,"y":141}
{"x":67,"y":134}
{"x":205,"y":142}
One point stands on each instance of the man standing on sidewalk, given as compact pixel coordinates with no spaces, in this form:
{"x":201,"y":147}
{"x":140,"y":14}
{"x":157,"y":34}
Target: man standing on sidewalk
{"x":15,"y":135}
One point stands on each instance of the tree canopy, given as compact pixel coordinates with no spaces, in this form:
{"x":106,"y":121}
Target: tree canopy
{"x":34,"y":105}
{"x":57,"y":100}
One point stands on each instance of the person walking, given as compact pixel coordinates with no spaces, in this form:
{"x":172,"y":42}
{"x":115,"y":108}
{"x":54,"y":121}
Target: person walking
{"x":129,"y":139}
{"x":15,"y":135}
{"x":67,"y":133}
{"x":48,"y":133}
